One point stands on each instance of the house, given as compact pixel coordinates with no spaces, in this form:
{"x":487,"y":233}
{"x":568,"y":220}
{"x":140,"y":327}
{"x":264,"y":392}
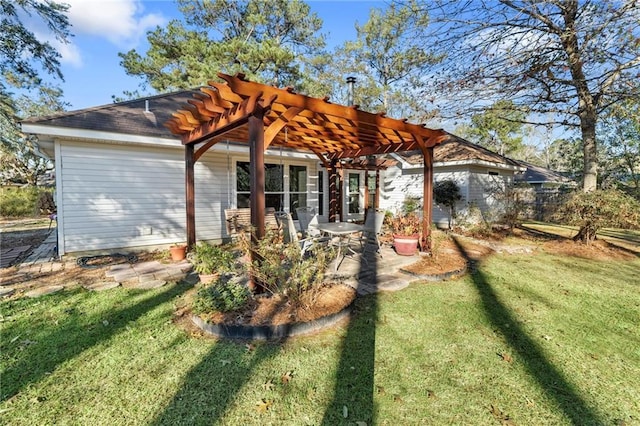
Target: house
{"x":480,"y":174}
{"x":540,"y":177}
{"x":120,"y":176}
{"x":133,"y":174}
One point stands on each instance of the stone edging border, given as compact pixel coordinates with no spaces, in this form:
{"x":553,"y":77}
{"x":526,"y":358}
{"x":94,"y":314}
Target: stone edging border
{"x":269,"y":332}
{"x":439,"y":277}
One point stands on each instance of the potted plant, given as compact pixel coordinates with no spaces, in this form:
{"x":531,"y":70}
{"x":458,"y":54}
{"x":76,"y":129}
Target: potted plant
{"x":178,"y":252}
{"x":406,"y":229}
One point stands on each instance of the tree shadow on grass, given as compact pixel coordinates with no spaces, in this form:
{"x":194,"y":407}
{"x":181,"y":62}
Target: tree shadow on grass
{"x":354,"y":383}
{"x":75,"y":335}
{"x":551,"y":380}
{"x":211,"y":386}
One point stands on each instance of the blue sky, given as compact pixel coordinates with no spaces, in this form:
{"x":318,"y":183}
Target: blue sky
{"x":102,"y":28}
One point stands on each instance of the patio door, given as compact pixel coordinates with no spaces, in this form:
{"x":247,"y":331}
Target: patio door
{"x":353,"y":202}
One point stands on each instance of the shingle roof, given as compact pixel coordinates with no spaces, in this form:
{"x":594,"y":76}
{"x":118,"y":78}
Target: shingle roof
{"x":126,"y":117}
{"x":455,"y":148}
{"x":538,"y":174}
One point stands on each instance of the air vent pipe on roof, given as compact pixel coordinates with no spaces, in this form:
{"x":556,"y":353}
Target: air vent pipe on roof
{"x":351,"y":81}
{"x":146,"y":105}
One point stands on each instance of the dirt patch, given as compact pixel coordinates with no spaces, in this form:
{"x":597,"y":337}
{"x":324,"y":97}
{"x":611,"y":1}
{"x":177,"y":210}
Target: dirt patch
{"x":277,"y":309}
{"x":450,"y":256}
{"x":597,"y":250}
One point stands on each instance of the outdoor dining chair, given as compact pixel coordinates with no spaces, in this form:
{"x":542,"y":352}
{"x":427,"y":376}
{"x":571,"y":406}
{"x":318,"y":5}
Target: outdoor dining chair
{"x":290,"y":232}
{"x":304,"y":217}
{"x":372,"y":228}
{"x":309,"y":224}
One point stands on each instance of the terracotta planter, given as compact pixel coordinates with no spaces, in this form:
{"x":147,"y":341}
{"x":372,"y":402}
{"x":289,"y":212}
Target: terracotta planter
{"x":406,"y":245}
{"x":178,"y":253}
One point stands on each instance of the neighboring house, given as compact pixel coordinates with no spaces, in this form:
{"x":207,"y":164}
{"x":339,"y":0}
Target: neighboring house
{"x":480,"y":174}
{"x":540,"y":177}
{"x":120,"y":177}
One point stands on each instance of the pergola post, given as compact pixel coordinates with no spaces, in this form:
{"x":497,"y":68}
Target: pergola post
{"x":376,"y":201}
{"x":189,"y":158}
{"x":333,"y":193}
{"x":427,"y":204}
{"x":256,"y":180}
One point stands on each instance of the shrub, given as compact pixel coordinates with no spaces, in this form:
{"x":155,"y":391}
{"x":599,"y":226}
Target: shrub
{"x":222,"y":296}
{"x":208,"y":259}
{"x":411,"y":204}
{"x":282,"y":268}
{"x":19,"y":202}
{"x":45,"y":204}
{"x":594,"y":210}
{"x":405,"y":224}
{"x":447,"y":193}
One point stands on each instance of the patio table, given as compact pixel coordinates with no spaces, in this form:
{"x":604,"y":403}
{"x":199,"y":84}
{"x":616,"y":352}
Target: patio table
{"x":343,"y":231}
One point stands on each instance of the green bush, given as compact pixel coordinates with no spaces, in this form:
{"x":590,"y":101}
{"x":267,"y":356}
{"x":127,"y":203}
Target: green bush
{"x":447,"y":193}
{"x":20,"y":201}
{"x":222,"y":296}
{"x":283,"y":269}
{"x":594,"y":210}
{"x":209,"y":259}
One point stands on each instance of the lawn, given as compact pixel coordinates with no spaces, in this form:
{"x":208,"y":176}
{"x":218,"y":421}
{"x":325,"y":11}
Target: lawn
{"x":525,"y":339}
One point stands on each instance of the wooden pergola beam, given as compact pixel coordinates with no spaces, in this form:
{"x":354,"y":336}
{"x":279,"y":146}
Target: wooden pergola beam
{"x":256,"y":113}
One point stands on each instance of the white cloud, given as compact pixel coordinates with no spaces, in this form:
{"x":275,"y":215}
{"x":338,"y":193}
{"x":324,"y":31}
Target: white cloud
{"x":122,"y":22}
{"x":69,"y":52}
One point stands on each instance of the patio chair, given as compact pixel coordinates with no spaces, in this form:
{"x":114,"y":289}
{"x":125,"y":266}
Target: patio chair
{"x":304,"y":217}
{"x":372,"y":228}
{"x":290,"y":233}
{"x":309,"y":224}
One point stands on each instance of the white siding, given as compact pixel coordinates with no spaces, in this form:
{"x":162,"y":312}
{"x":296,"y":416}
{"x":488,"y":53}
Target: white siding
{"x":116,"y":196}
{"x":485,"y":190}
{"x":461,"y":177}
{"x":397,"y":184}
{"x":120,"y":196}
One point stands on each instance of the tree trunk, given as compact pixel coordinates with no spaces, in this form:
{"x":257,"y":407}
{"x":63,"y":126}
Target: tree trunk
{"x":590,"y":151}
{"x":586,"y":234}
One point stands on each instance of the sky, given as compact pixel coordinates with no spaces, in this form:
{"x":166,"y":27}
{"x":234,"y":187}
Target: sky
{"x":102,"y":28}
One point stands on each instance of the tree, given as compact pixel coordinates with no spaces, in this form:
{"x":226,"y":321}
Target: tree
{"x":620,"y":130}
{"x":570,"y":58}
{"x":499,"y":128}
{"x":21,"y":52}
{"x":22,"y":56}
{"x":594,"y":210}
{"x":263,"y":39}
{"x":447,"y":193}
{"x":20,"y":158}
{"x":390,"y":45}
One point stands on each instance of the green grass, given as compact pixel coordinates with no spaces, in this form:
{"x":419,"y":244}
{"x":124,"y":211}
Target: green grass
{"x":538,"y":339}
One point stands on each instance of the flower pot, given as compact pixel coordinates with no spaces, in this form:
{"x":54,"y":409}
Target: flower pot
{"x":406,"y":245}
{"x":178,"y":253}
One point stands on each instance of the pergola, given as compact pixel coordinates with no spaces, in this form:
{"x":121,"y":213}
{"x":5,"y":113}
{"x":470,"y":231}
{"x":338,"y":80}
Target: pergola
{"x":340,"y":136}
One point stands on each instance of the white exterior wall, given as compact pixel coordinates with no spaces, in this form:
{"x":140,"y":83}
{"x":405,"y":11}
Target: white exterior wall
{"x":113,"y":196}
{"x":476,"y":185}
{"x":397,"y":184}
{"x":460,"y":175}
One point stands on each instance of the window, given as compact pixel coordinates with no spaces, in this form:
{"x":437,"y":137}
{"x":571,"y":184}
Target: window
{"x":297,"y":189}
{"x":321,"y":193}
{"x":354,"y":193}
{"x":274,"y":186}
{"x":371,"y":188}
{"x":494,"y":173}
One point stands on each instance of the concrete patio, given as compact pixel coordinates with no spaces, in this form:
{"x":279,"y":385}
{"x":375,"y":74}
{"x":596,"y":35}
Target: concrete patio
{"x":367,"y":274}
